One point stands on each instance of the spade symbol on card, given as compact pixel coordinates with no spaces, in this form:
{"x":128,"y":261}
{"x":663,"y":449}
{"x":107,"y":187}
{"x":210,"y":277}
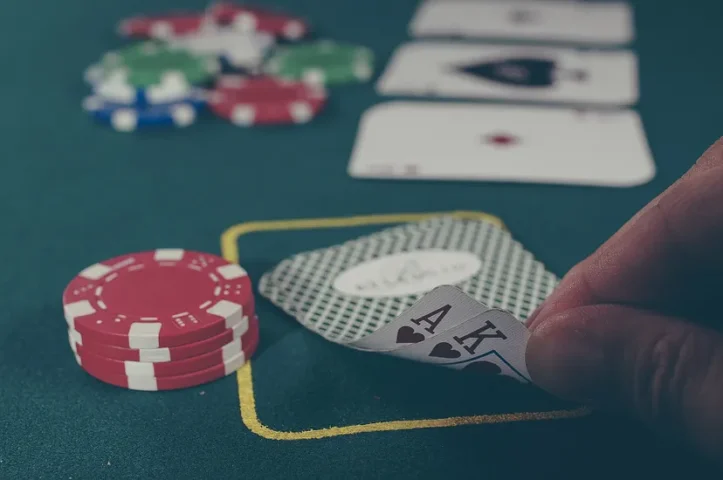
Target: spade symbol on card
{"x":444,"y":350}
{"x":483,"y":368}
{"x":521,"y":72}
{"x":408,"y":335}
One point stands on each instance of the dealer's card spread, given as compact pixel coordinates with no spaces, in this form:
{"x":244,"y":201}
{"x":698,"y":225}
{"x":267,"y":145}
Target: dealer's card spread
{"x":553,"y":21}
{"x":512,"y":72}
{"x":502,"y":143}
{"x":464,"y":284}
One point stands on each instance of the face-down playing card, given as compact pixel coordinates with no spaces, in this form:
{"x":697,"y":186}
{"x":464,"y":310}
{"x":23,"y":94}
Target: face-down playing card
{"x":405,"y":286}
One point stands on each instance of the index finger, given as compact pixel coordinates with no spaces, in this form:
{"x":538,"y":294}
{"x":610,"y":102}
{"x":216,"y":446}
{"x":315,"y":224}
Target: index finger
{"x":650,"y":260}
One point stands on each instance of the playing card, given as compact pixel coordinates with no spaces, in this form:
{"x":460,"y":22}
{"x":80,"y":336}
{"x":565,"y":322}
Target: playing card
{"x":348,"y":292}
{"x":502,"y":143}
{"x":493,"y":343}
{"x":436,"y":312}
{"x":563,"y":21}
{"x":512,"y":72}
{"x":268,"y":288}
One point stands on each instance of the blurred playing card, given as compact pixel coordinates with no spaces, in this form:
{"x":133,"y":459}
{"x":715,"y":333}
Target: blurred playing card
{"x":554,"y":21}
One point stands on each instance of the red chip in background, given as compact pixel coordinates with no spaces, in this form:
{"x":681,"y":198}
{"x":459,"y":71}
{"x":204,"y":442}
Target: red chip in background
{"x":162,"y":26}
{"x":251,"y":19}
{"x":265,"y":100}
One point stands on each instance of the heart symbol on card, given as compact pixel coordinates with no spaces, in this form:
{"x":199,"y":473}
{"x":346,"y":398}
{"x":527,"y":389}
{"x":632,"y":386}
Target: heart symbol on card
{"x":484,"y":368}
{"x":408,"y":335}
{"x":444,"y":350}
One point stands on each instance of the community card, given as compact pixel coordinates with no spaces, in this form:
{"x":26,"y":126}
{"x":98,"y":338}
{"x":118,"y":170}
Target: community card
{"x":383,"y":292}
{"x":502,"y":143}
{"x":551,"y":21}
{"x":512,"y":72}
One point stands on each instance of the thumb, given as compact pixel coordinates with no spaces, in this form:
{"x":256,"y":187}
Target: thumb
{"x":659,"y":369}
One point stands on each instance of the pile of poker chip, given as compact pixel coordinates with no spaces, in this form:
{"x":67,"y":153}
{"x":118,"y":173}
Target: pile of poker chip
{"x":246,"y":65}
{"x":161,"y":320}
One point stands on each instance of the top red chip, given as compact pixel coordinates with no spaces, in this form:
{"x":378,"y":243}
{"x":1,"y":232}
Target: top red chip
{"x":247,"y":19}
{"x":162,"y":26}
{"x":162,"y":298}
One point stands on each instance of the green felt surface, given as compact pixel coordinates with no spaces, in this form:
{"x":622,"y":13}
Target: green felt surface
{"x":73,"y":193}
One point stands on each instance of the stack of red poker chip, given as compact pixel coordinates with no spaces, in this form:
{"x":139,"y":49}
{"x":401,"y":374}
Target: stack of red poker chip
{"x":161,"y":320}
{"x":246,"y":101}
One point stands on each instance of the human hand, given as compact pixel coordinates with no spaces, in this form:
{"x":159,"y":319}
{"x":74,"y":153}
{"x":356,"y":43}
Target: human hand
{"x":635,"y":327}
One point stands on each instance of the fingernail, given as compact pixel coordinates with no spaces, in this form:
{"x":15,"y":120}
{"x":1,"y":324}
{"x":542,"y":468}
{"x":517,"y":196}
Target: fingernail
{"x":565,"y":362}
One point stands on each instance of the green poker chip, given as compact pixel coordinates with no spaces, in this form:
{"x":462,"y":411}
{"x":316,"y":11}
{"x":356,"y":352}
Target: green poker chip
{"x":322,"y":62}
{"x":146,"y":64}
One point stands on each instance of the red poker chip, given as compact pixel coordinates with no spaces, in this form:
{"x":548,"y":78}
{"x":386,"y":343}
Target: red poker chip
{"x":265,"y":100}
{"x":168,"y":354}
{"x":224,"y":354}
{"x":248,"y":19}
{"x":174,"y":382}
{"x":162,"y":26}
{"x":160,"y":298}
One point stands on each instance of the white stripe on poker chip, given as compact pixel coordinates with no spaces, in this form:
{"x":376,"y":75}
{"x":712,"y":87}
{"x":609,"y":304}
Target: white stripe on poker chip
{"x":301,"y":112}
{"x":161,"y":29}
{"x":230,"y":311}
{"x":77,"y":309}
{"x":95,"y":271}
{"x":231,"y":349}
{"x":144,"y":335}
{"x":75,"y":337}
{"x":231,"y":271}
{"x":124,"y":120}
{"x":362,"y":70}
{"x":243,"y":115}
{"x":143,"y":383}
{"x":234,"y":363}
{"x":314,"y":76}
{"x":154,"y":355}
{"x":183,"y":115}
{"x":139,"y":369}
{"x":92,"y":103}
{"x":293,"y":30}
{"x":245,"y":22}
{"x":168,"y":254}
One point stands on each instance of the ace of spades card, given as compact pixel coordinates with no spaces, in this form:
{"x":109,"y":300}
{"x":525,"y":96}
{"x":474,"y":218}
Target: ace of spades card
{"x":511,"y":72}
{"x":446,"y":291}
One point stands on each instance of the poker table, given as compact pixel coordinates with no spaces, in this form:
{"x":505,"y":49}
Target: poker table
{"x":74,"y":193}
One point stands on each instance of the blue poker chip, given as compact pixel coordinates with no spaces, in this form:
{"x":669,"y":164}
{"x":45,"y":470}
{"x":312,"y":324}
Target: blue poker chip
{"x":115,"y":88}
{"x":128,"y":118}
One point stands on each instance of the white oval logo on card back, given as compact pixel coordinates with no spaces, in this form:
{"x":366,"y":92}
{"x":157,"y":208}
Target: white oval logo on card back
{"x":407,"y":273}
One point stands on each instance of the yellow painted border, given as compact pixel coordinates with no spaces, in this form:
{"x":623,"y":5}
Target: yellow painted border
{"x":244,"y":377}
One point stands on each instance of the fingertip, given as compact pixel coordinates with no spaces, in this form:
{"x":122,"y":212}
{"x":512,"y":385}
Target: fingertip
{"x":565,"y":359}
